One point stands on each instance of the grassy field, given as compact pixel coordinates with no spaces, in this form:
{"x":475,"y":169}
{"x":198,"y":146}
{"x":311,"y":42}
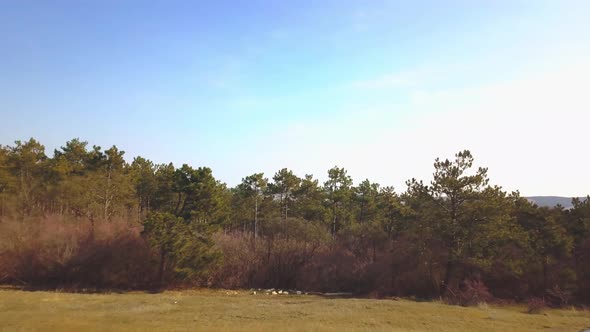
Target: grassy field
{"x":209,"y":310}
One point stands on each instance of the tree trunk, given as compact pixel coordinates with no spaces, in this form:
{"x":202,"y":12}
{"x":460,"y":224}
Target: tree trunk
{"x":107,"y":198}
{"x":177,"y":204}
{"x":545,"y":273}
{"x":450,"y":266}
{"x":334,"y":220}
{"x":255,"y":220}
{"x":161,"y":267}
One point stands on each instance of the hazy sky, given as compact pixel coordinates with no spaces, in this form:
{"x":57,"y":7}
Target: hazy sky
{"x":378,"y":87}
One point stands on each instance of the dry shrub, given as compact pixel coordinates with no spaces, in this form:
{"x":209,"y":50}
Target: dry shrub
{"x":536,"y":305}
{"x":469,"y":293}
{"x":558,"y":297}
{"x":415,"y":268}
{"x":74,"y":254}
{"x":332,"y":270}
{"x":395,"y":269}
{"x":63,"y":253}
{"x":239,"y":264}
{"x":287,"y":257}
{"x":276,"y":259}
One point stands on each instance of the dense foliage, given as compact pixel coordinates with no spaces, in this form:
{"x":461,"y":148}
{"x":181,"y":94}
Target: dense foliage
{"x":86,"y":218}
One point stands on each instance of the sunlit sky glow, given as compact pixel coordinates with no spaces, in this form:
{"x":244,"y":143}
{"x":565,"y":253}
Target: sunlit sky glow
{"x":378,"y":87}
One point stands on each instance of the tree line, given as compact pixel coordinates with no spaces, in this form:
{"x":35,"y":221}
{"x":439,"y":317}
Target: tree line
{"x":85,"y":217}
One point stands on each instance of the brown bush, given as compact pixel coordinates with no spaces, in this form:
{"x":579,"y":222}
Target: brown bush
{"x":281,"y":260}
{"x":277,"y":259}
{"x":60,"y":253}
{"x":470,"y":292}
{"x":240,"y":261}
{"x":558,"y":297}
{"x":396,"y":269}
{"x":536,"y":305}
{"x":74,"y":254}
{"x":333,"y":269}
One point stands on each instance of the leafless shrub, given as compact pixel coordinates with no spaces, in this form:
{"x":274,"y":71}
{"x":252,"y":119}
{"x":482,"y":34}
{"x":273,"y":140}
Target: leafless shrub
{"x":558,"y":297}
{"x":536,"y":305}
{"x":471,"y":292}
{"x":59,"y":253}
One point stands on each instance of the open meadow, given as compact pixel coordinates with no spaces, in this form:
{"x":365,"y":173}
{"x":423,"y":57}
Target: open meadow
{"x":218,"y":310}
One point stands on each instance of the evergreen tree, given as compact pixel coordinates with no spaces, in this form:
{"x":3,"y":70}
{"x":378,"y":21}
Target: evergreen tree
{"x":181,"y":247}
{"x":285,"y":185}
{"x":338,"y":192}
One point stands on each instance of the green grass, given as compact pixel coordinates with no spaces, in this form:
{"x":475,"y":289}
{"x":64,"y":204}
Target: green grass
{"x":219,"y":310}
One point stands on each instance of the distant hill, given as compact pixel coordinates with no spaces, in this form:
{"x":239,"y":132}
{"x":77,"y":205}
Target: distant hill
{"x":552,"y":201}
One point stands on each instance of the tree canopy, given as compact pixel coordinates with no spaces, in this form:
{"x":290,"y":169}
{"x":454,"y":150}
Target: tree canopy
{"x":447,"y":232}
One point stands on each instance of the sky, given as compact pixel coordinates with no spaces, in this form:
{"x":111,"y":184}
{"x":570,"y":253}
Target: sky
{"x":381,"y":88}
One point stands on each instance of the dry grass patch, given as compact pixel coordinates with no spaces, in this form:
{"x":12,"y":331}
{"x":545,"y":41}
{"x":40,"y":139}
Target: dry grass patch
{"x":206,"y":310}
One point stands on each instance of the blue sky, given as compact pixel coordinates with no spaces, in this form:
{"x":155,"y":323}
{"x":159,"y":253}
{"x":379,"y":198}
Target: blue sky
{"x":378,"y":87}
